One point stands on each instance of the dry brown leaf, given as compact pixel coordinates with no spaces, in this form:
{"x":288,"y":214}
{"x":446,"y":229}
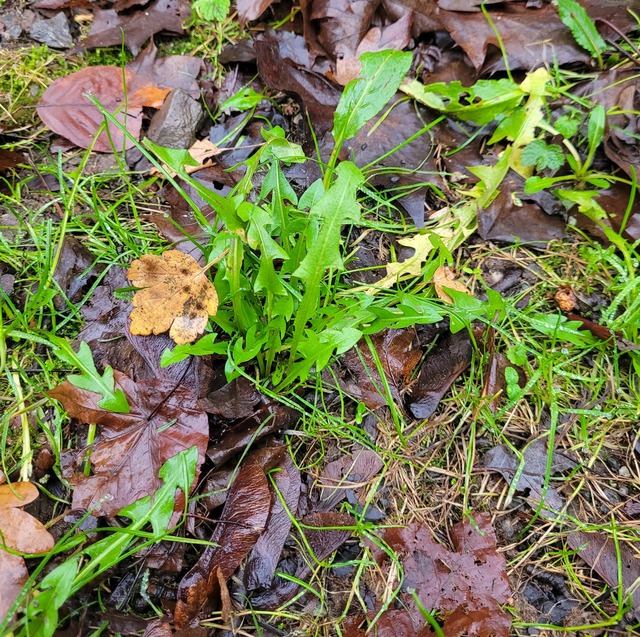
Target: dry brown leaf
{"x":177,"y":296}
{"x":19,"y":531}
{"x":444,"y":277}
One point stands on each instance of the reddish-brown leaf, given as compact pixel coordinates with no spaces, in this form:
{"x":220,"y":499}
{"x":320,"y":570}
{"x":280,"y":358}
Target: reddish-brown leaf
{"x":242,"y":521}
{"x":20,"y":531}
{"x":13,"y":575}
{"x":467,"y":585}
{"x":67,"y":111}
{"x":110,"y":27}
{"x":130,"y":449}
{"x":398,"y":356}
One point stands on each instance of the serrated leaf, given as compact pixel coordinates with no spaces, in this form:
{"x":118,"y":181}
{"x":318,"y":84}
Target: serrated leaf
{"x":335,"y":208}
{"x":582,"y":27}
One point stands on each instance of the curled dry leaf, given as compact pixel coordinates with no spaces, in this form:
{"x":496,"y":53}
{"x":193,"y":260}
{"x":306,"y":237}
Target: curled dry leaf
{"x":19,"y":531}
{"x":177,"y":296}
{"x":444,"y":279}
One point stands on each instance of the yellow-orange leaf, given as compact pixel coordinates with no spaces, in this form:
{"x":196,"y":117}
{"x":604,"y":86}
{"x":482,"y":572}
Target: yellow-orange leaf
{"x":177,"y":296}
{"x":444,"y":277}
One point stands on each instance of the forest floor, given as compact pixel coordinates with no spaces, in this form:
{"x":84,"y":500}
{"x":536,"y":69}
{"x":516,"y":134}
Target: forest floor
{"x":319,"y":318}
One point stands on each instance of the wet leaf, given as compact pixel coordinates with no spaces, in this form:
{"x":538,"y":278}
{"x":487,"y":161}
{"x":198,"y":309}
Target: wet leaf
{"x":13,"y":576}
{"x":324,"y":535}
{"x":19,"y":531}
{"x":353,"y":470}
{"x":261,"y":564}
{"x":130,"y":449}
{"x":600,"y":553}
{"x":531,"y":472}
{"x":242,"y":521}
{"x":398,"y":357}
{"x":134,"y":28}
{"x":177,"y":296}
{"x":466,"y":585}
{"x":66,"y":110}
{"x":443,"y":364}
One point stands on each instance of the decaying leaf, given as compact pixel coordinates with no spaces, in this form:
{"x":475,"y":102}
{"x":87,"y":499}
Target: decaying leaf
{"x":398,"y":357}
{"x":467,"y":585}
{"x":19,"y":531}
{"x":242,"y":521}
{"x":531,"y":480}
{"x":177,"y":296}
{"x":164,"y":420}
{"x":601,"y":553}
{"x":443,"y":280}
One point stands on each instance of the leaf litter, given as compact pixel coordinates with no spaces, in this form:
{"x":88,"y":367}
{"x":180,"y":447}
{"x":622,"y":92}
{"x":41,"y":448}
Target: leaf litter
{"x":191,"y":403}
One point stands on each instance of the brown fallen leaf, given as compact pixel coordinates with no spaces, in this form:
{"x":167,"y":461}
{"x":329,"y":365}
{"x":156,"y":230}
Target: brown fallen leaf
{"x":398,"y":355}
{"x":467,"y":585}
{"x":130,"y":448}
{"x":177,"y":296}
{"x":19,"y":531}
{"x":444,"y":278}
{"x":242,"y":521}
{"x":603,"y":555}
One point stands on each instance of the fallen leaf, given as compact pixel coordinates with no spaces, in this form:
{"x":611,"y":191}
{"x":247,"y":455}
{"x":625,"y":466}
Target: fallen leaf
{"x":443,"y":364}
{"x":601,"y":554}
{"x":13,"y":576}
{"x":317,"y":95}
{"x":19,"y":531}
{"x":444,"y":279}
{"x":566,"y":300}
{"x":9,"y":159}
{"x":130,"y":448}
{"x":466,"y":585}
{"x":520,"y":30}
{"x":106,"y":331}
{"x":347,"y":473}
{"x":177,"y":296}
{"x":134,"y":28}
{"x":531,"y":481}
{"x":263,"y":560}
{"x":242,"y":521}
{"x":324,"y":535}
{"x":251,"y":9}
{"x":66,"y":110}
{"x":170,"y":72}
{"x":398,"y":357}
{"x":604,"y":333}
